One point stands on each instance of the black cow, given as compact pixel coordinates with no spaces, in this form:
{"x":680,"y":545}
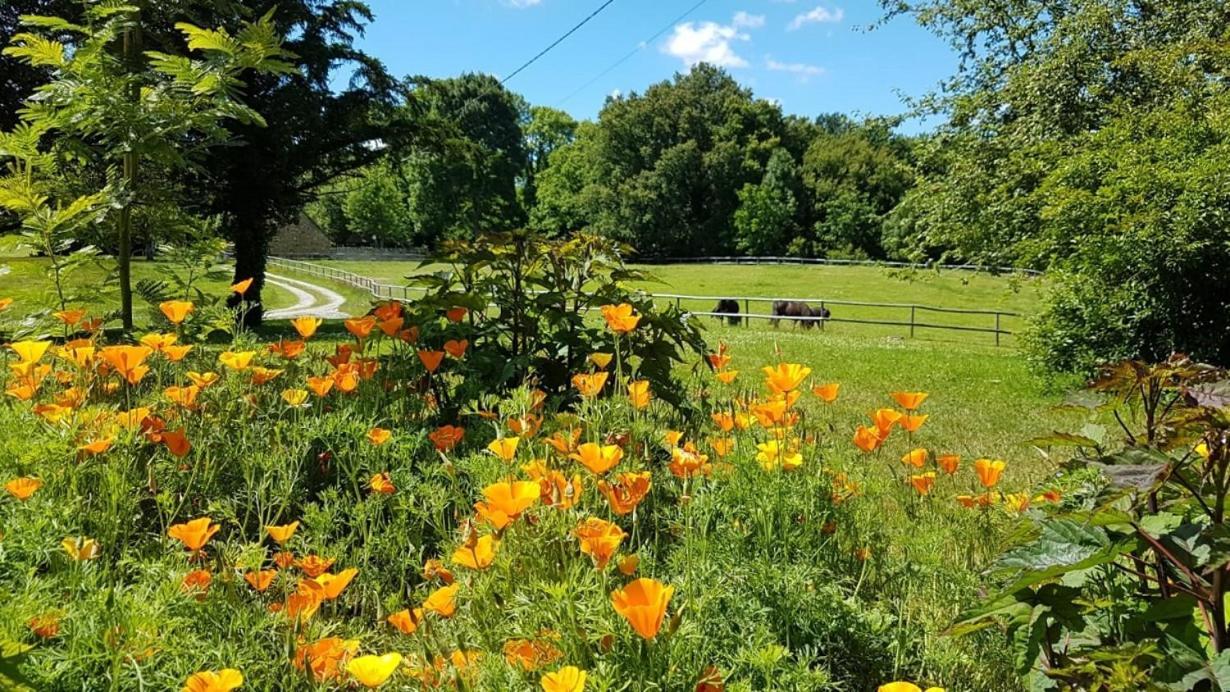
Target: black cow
{"x":730,"y":308}
{"x":794,"y":308}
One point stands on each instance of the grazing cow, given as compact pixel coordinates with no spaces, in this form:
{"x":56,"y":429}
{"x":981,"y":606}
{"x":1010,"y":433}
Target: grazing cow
{"x":730,"y":308}
{"x":794,"y":308}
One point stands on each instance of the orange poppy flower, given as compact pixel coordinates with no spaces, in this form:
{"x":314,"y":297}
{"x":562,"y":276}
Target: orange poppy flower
{"x":672,"y":437}
{"x":241,"y":287}
{"x":183,"y":396}
{"x":456,"y":347}
{"x":382,"y":484}
{"x":5,"y":303}
{"x":989,"y":471}
{"x":530,"y":655}
{"x":597,"y":458}
{"x":724,"y":421}
{"x":555,"y":488}
{"x":718,"y":360}
{"x":406,"y":621}
{"x":478,"y":552}
{"x":726,"y":376}
{"x":566,"y":679}
{"x":431,"y":359}
{"x":785,"y":377}
{"x":600,"y":540}
{"x":456,"y":314}
{"x":236,"y":360}
{"x":284,"y":559}
{"x":128,"y":361}
{"x":627,"y":491}
{"x":620,"y":318}
{"x":30,"y":351}
{"x":589,"y":385}
{"x":525,"y":426}
{"x":445,"y":437}
{"x":909,"y":400}
{"x":1016,"y":502}
{"x":324,"y":657}
{"x":81,"y":548}
{"x":45,"y":626}
{"x":295,"y":397}
{"x":194,"y":534}
{"x":948,"y":463}
{"x":923,"y":482}
{"x":96,"y":447}
{"x":305,"y":601}
{"x":197,"y":580}
{"x":442,"y":601}
{"x":306,"y":326}
{"x":639,"y":394}
{"x":223,"y":680}
{"x":314,"y":565}
{"x":177,"y":442}
{"x":176,"y":311}
{"x":643,"y":604}
{"x":289,"y":350}
{"x":565,"y":442}
{"x":722,"y":446}
{"x":332,"y":585}
{"x":23,"y":488}
{"x":433,"y":569}
{"x":203,"y":379}
{"x":378,"y":436}
{"x":868,"y":439}
{"x":52,"y":413}
{"x":687,"y":462}
{"x":911,"y":423}
{"x":601,"y":360}
{"x":771,"y":413}
{"x":282,"y":534}
{"x":320,"y":386}
{"x":391,"y":326}
{"x":80,"y":355}
{"x":70,"y":317}
{"x":826,"y":392}
{"x":260,"y":579}
{"x":885,"y":419}
{"x":916,"y":458}
{"x":627,"y":564}
{"x":506,"y":501}
{"x":504,"y":448}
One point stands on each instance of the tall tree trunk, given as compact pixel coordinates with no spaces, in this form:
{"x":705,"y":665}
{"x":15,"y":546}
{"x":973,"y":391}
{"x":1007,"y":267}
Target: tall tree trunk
{"x":251,"y":236}
{"x":132,"y":56}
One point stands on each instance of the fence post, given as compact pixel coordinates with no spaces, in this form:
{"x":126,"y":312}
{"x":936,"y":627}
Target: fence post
{"x":997,"y":329}
{"x":913,"y":309}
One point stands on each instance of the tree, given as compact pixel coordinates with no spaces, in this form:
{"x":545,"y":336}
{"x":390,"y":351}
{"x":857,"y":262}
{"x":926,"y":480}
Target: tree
{"x":856,"y":174}
{"x":106,"y":95}
{"x":662,"y":170}
{"x":1078,"y":140}
{"x":548,"y":129}
{"x":765,"y":222}
{"x":464,"y":181}
{"x":376,"y":208}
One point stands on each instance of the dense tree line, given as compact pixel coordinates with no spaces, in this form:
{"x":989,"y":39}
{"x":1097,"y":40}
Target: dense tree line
{"x":695,"y":165}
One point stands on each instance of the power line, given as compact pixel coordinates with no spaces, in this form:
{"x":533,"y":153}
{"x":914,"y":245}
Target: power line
{"x":558,"y":41}
{"x":633,"y":52}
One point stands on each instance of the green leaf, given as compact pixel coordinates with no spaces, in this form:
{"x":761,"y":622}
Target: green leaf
{"x":11,"y":655}
{"x":1062,"y":546}
{"x":208,"y":40}
{"x":37,"y":50}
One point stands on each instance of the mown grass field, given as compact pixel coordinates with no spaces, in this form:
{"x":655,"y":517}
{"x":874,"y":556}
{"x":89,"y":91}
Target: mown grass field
{"x":867,"y":284}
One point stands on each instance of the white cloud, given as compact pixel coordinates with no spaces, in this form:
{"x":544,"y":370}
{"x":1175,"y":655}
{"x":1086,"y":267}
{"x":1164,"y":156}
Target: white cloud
{"x":751,"y":21}
{"x":521,"y":4}
{"x":802,"y":69}
{"x":696,"y":42}
{"x":819,"y":15}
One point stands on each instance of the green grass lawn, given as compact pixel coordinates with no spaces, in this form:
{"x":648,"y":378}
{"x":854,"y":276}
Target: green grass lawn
{"x":942,"y":289}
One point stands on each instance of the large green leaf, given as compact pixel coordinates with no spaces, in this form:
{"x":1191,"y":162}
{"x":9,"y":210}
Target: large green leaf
{"x":1062,"y":545}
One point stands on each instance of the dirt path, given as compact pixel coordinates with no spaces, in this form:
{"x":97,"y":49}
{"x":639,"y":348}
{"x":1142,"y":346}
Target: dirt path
{"x":311,"y":300}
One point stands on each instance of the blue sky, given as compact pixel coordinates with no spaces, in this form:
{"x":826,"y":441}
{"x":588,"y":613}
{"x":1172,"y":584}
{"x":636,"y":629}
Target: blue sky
{"x":812,"y":57}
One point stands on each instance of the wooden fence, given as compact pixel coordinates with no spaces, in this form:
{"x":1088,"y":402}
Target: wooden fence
{"x":917,"y":314}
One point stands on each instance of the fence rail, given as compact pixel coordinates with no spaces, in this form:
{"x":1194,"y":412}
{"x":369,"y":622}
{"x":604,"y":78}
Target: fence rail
{"x":385,"y":291}
{"x":836,"y":262}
